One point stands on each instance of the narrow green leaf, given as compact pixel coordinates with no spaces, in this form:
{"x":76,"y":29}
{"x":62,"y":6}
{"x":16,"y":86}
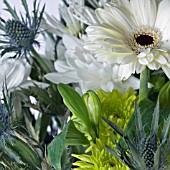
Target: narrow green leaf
{"x":114,"y":126}
{"x":56,"y":147}
{"x":45,"y":121}
{"x":139,"y":125}
{"x":165,"y":130}
{"x":24,"y":151}
{"x":157,"y":158}
{"x":133,"y":150}
{"x":155,"y":120}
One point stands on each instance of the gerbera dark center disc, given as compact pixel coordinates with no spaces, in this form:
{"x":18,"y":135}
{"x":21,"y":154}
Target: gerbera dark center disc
{"x":144,"y":40}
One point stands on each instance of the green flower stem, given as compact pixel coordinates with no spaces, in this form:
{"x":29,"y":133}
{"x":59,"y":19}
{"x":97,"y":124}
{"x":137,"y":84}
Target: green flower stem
{"x":40,"y":60}
{"x":143,"y":91}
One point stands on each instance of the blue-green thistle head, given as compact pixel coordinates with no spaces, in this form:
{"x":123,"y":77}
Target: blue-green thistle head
{"x":20,"y":32}
{"x":146,"y":150}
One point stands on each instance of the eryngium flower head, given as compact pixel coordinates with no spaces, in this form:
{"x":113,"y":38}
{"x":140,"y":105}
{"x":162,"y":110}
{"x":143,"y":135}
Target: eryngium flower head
{"x":134,"y":33}
{"x":6,"y":110}
{"x":146,"y":151}
{"x":20,"y":33}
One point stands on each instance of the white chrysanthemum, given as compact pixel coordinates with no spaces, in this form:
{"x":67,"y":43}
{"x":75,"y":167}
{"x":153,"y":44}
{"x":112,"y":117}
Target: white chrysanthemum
{"x":135,"y":33}
{"x":80,"y":68}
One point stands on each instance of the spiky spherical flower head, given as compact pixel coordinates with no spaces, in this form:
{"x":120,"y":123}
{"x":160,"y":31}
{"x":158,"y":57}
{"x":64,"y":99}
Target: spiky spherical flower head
{"x":145,"y":151}
{"x":20,"y":34}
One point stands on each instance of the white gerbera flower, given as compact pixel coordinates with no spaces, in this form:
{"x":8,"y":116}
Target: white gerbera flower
{"x":135,"y":33}
{"x":80,"y":68}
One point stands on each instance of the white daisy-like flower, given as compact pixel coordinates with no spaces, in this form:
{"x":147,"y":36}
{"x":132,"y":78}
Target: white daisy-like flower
{"x":133,"y":33}
{"x":53,"y":25}
{"x":80,"y":67}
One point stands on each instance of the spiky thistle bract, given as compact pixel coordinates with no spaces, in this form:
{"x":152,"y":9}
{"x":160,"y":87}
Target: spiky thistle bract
{"x":145,"y":151}
{"x":19,"y":33}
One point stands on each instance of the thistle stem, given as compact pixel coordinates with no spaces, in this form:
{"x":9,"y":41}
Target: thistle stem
{"x":143,"y":91}
{"x":40,"y":60}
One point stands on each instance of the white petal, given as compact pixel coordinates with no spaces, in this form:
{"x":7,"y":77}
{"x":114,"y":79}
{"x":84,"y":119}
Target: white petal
{"x":62,"y":66}
{"x":153,"y":66}
{"x":163,"y":16}
{"x":125,"y":72}
{"x":67,"y":77}
{"x":71,"y":42}
{"x":166,"y":70}
{"x":108,"y":87}
{"x":143,"y":61}
{"x":160,"y":59}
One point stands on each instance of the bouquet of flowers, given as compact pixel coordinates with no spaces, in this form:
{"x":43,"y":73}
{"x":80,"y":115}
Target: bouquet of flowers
{"x":97,"y":98}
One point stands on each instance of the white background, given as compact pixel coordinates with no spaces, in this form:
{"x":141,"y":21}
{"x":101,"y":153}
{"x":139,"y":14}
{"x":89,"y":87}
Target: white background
{"x":51,"y":6}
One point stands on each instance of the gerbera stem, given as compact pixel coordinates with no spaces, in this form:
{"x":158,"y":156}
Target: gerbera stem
{"x":143,"y":91}
{"x":40,"y":60}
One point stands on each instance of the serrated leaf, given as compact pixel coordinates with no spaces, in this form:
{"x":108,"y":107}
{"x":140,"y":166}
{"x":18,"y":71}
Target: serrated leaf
{"x":155,"y":120}
{"x":157,"y":158}
{"x":136,"y":156}
{"x":146,"y":109}
{"x":56,"y":147}
{"x":139,"y":126}
{"x":113,"y":152}
{"x":165,"y":130}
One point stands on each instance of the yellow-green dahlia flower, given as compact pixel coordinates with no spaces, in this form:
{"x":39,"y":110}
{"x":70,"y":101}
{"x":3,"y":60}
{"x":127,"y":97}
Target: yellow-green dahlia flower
{"x":116,"y":107}
{"x":100,"y":159}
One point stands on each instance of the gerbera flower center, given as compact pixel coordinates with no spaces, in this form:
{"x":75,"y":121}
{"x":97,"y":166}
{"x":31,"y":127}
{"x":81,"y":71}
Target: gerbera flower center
{"x":144,"y":38}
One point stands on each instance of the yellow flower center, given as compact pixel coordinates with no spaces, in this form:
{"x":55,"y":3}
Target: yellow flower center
{"x":144,"y":38}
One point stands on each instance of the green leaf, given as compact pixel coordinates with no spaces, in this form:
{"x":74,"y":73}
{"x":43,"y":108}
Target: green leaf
{"x":155,"y":120}
{"x":45,"y":121}
{"x":75,"y":137}
{"x":114,"y":126}
{"x":24,"y":151}
{"x":139,"y":126}
{"x":165,"y":130}
{"x":164,"y":96}
{"x":146,"y":109}
{"x":56,"y":147}
{"x":74,"y":102}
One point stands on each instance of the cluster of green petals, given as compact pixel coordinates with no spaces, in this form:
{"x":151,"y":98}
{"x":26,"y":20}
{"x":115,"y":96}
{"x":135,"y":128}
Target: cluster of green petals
{"x":100,"y":159}
{"x":120,"y":112}
{"x":116,"y":107}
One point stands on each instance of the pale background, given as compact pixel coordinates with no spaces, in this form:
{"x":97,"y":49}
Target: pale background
{"x":51,"y":7}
